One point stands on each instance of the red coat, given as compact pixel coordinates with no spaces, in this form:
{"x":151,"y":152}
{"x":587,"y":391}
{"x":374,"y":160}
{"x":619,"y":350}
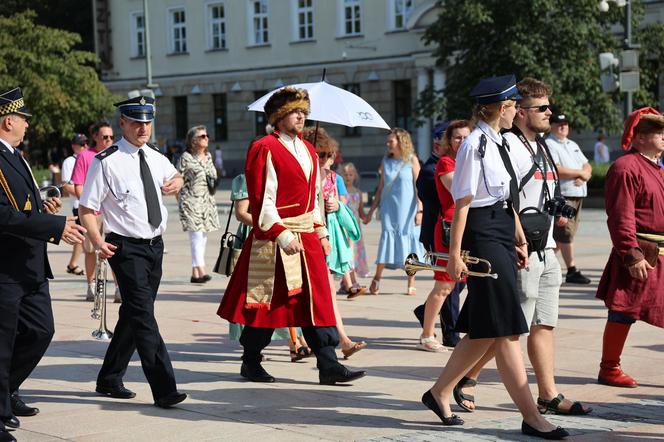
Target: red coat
{"x":296,"y":195}
{"x":634,"y":197}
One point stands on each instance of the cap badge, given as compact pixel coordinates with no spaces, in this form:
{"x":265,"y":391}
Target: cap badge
{"x":142,"y":101}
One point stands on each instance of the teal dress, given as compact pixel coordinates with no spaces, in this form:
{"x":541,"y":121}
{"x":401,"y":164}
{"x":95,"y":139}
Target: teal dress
{"x":239,"y":192}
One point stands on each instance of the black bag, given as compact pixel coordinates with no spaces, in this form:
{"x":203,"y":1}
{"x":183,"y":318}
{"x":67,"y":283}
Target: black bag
{"x":536,"y":225}
{"x":211,"y":184}
{"x":228,"y":254}
{"x":447,"y":232}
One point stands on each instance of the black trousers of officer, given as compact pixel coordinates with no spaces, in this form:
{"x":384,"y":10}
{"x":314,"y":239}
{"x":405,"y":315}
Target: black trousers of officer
{"x":137,"y":267}
{"x":26,"y":330}
{"x":321,"y":340}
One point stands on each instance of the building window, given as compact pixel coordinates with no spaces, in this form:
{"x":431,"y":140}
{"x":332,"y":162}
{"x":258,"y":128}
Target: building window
{"x":217,"y":26}
{"x":400,"y":11}
{"x":178,"y":28}
{"x":138,"y":35}
{"x":352,"y":131}
{"x":350,"y":17}
{"x":260,"y":120}
{"x":181,"y":119}
{"x":220,"y":117}
{"x":304,"y":20}
{"x":258,"y":24}
{"x":402,"y":104}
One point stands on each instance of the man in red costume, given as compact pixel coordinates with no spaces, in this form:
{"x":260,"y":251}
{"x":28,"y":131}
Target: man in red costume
{"x":280,"y":279}
{"x":631,"y":285}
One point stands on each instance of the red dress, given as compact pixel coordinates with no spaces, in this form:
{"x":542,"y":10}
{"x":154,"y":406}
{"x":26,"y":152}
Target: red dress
{"x":634,"y":198}
{"x":444,"y":166}
{"x":296,"y":195}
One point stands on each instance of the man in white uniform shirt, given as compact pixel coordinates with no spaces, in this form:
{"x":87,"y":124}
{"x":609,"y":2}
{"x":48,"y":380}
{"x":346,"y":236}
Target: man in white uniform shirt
{"x":575,"y":171}
{"x":124,"y":181}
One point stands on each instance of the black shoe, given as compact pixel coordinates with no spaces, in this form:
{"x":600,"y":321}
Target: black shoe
{"x":117,"y":391}
{"x":170,"y":399}
{"x":451,"y":340}
{"x":11,"y":422}
{"x":429,"y":401}
{"x":6,"y":437}
{"x":20,"y":408}
{"x":577,"y":278}
{"x":200,"y":280}
{"x":255,"y":373}
{"x":419,"y":314}
{"x":557,"y":434}
{"x":339,"y":374}
{"x":206,"y":278}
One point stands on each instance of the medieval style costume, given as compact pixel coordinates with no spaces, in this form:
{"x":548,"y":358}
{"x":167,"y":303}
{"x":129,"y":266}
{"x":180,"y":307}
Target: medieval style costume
{"x":634,"y":192}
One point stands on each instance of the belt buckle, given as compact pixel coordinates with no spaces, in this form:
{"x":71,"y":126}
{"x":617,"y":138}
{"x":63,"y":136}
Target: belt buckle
{"x":152,"y":241}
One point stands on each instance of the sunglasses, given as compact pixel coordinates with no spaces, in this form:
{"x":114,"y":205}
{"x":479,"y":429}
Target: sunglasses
{"x":325,"y":155}
{"x":107,"y":137}
{"x":204,"y":136}
{"x":541,"y":108}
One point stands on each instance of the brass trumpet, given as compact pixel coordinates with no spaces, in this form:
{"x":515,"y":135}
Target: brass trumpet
{"x":99,"y":309}
{"x":414,"y":265}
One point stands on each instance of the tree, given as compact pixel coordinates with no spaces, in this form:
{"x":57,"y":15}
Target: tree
{"x":60,"y":84}
{"x":557,"y":42}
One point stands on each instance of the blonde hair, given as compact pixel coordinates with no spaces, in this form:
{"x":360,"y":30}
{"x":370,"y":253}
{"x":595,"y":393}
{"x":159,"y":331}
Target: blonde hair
{"x":347,"y":167}
{"x":489,"y":112}
{"x":405,"y":143}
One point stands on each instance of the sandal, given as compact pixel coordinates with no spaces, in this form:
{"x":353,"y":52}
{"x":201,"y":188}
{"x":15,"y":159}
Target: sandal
{"x":430,"y":344}
{"x":76,"y":270}
{"x":553,"y":405}
{"x":374,"y":288}
{"x":357,"y":346}
{"x":412,"y":291}
{"x":459,"y":396}
{"x":300,"y":353}
{"x":355,"y":291}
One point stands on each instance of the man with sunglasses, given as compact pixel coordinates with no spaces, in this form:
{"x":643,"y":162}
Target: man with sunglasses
{"x":102,"y":138}
{"x":575,"y":171}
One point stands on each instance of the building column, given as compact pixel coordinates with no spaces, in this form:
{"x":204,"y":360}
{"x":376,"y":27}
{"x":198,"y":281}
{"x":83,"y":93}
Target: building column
{"x":439,"y":79}
{"x":423,"y":131}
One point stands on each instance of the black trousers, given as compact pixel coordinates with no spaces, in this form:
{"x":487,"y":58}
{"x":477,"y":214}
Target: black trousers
{"x":137,"y":268}
{"x":26,"y":330}
{"x":321,"y":340}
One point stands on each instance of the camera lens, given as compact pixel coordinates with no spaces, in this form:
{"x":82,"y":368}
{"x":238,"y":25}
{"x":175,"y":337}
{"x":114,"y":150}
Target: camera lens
{"x":568,"y":211}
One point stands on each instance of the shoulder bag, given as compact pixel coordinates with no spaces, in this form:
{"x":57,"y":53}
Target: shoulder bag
{"x":228,"y":250}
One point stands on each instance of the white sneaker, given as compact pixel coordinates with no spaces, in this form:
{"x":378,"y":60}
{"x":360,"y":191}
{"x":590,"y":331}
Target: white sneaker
{"x":117,"y":298}
{"x":90,"y":296}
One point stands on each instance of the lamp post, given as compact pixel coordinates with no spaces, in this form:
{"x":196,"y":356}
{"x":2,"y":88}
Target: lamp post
{"x":148,"y":62}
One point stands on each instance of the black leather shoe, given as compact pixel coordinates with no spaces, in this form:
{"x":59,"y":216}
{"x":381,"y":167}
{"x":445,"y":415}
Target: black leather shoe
{"x":170,"y":399}
{"x":11,"y":422}
{"x":430,"y":402}
{"x":557,"y":434}
{"x":117,"y":391}
{"x":577,"y":278}
{"x":206,"y":278}
{"x":255,"y":373}
{"x":20,"y":408}
{"x":6,"y":437}
{"x":201,"y":280}
{"x":419,"y":314}
{"x":339,"y":374}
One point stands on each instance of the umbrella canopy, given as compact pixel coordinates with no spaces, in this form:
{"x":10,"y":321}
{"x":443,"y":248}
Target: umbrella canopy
{"x":331,"y":104}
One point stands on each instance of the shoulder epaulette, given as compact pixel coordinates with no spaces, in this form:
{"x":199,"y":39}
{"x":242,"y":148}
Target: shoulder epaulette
{"x":106,"y":152}
{"x":153,"y":146}
{"x":482,"y":148}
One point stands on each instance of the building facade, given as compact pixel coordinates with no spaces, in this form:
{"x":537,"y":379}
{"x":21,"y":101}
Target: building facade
{"x":211,"y":59}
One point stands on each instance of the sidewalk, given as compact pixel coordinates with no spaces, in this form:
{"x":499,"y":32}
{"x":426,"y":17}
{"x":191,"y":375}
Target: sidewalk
{"x":385,"y":405}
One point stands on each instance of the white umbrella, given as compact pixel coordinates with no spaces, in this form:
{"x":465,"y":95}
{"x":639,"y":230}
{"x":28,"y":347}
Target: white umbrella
{"x":331,"y":104}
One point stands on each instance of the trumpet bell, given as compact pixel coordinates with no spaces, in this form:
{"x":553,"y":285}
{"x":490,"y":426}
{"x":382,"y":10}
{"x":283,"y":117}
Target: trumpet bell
{"x":102,"y":335}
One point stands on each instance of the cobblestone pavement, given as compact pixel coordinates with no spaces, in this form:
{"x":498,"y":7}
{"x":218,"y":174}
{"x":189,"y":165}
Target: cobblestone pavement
{"x":385,"y":405}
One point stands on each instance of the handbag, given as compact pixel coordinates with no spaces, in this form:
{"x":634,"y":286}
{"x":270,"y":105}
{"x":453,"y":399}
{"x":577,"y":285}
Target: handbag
{"x":536,"y":225}
{"x":447,"y":232}
{"x":228,"y":254}
{"x":211,"y":184}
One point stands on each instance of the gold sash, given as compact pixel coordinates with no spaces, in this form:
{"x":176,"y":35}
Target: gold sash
{"x":263,"y":259}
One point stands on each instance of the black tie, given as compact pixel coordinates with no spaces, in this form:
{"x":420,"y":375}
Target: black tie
{"x":151,"y":198}
{"x":514,"y":186}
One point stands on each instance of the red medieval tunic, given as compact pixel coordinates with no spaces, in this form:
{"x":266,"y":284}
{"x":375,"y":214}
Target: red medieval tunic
{"x":634,"y":197}
{"x":270,"y":165}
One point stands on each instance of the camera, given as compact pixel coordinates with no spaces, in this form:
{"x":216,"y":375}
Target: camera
{"x":557,"y":206}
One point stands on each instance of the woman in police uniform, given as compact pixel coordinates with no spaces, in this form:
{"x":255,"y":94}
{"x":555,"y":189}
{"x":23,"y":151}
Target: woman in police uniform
{"x":484,"y":224}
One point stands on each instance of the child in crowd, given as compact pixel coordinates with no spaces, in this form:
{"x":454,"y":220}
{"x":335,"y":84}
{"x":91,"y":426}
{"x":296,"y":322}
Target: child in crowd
{"x":356,"y":205}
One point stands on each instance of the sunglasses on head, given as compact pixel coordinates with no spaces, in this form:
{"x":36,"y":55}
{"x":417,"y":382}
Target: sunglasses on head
{"x":541,"y":108}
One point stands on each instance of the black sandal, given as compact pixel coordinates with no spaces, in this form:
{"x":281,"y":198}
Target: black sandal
{"x":575,"y":410}
{"x":76,"y":270}
{"x":459,"y":396}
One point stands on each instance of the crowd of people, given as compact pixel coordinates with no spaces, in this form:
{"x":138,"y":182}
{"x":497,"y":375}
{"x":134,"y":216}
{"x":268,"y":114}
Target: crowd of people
{"x":505,"y":186}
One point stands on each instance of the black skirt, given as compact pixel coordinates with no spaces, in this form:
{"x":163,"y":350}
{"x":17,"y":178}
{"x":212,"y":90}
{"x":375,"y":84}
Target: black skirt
{"x":492,"y":307}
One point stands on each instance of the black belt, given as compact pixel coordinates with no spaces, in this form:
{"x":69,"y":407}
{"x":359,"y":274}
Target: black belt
{"x":149,"y":241}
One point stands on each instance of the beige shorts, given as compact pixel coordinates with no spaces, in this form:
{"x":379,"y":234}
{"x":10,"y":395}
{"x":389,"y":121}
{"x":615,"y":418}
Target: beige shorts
{"x":565,"y":234}
{"x":539,"y":288}
{"x":88,"y":247}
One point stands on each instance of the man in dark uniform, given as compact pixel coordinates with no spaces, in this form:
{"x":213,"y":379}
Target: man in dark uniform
{"x":426,"y":192}
{"x":26,"y":224}
{"x":124,"y":183}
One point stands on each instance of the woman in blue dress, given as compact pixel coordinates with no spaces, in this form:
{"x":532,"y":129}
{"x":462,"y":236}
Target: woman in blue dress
{"x":400,"y":209}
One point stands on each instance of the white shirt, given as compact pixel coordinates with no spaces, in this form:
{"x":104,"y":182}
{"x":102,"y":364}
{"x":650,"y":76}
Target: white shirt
{"x":67,"y":170}
{"x":568,"y":154}
{"x":532,"y":194}
{"x":473,"y":174}
{"x":113,"y":185}
{"x":601,"y":153}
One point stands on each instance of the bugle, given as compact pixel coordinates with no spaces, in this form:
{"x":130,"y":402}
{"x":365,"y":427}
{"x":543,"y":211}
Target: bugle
{"x":99,"y":309}
{"x":414,"y":265}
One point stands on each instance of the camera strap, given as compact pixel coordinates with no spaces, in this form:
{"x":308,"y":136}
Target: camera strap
{"x":543,"y":157}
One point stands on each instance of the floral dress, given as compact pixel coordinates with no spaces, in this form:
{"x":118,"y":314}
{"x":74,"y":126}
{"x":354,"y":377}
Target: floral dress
{"x":359,"y":253}
{"x":198,"y":209}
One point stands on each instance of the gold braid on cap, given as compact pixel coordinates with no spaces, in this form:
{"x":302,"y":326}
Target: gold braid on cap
{"x":285,"y":101}
{"x":10,"y":108}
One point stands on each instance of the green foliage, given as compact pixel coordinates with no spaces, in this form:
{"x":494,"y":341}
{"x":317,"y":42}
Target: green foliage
{"x":599,"y":175}
{"x":557,"y":42}
{"x":41,"y":174}
{"x":60,"y":85}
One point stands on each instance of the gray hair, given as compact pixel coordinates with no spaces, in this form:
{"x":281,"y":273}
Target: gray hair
{"x":191,"y":133}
